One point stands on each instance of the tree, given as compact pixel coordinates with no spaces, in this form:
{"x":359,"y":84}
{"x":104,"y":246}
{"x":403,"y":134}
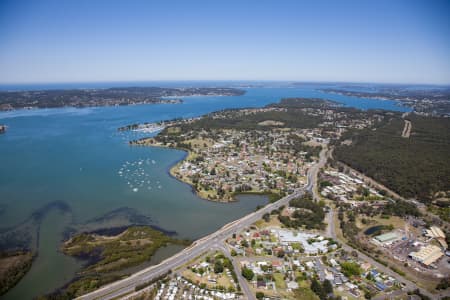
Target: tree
{"x":280,"y":254}
{"x":247,"y":273}
{"x":316,"y":287}
{"x":325,"y":183}
{"x":327,"y":287}
{"x":350,"y":269}
{"x":259,"y":295}
{"x":368,"y":295}
{"x":412,"y":168}
{"x":443,"y":284}
{"x":218,"y":266}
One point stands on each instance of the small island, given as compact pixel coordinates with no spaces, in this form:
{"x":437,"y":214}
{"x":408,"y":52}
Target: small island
{"x":109,"y":256}
{"x":10,"y":100}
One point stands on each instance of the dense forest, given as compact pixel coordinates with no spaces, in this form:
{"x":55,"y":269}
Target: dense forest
{"x":315,"y":104}
{"x":235,"y":119}
{"x":418,"y":166}
{"x":305,"y":103}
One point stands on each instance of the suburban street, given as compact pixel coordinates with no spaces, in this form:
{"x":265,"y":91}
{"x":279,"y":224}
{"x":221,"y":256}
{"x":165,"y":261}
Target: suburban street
{"x":128,"y":284}
{"x":216,"y":241}
{"x":242,"y":281}
{"x":409,"y":285}
{"x":206,"y":243}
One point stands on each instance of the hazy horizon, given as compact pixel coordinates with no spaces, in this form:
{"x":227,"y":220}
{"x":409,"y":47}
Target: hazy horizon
{"x":222,"y":81}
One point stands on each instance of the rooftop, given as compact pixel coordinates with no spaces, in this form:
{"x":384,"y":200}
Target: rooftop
{"x":427,"y":255}
{"x":387,"y":237}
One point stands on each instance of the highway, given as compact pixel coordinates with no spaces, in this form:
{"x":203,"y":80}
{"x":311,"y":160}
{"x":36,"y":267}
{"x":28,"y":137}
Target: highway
{"x":216,"y":241}
{"x":127,"y":285}
{"x":206,"y":243}
{"x":198,"y":247}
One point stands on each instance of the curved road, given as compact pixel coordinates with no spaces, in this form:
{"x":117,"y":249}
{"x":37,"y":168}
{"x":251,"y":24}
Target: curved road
{"x":216,"y":239}
{"x":127,"y":285}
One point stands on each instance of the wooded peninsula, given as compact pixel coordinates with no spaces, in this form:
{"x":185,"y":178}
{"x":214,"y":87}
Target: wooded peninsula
{"x":10,"y":100}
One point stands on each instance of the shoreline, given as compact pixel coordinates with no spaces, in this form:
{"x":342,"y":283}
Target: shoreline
{"x":174,"y":167}
{"x":187,"y":153}
{"x":14,"y":274}
{"x":398,"y":101}
{"x":112,"y":96}
{"x":36,"y":108}
{"x":112,"y":254}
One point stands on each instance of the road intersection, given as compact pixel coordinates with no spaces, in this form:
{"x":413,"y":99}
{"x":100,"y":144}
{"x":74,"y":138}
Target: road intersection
{"x":216,"y":241}
{"x":127,"y":285}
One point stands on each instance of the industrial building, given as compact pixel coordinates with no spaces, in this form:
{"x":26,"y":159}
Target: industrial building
{"x":436,"y":233}
{"x":427,"y":254}
{"x":387,"y":238}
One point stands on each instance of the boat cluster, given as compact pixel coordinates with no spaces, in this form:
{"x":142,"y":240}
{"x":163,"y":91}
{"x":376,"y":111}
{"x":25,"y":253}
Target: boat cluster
{"x":137,"y":175}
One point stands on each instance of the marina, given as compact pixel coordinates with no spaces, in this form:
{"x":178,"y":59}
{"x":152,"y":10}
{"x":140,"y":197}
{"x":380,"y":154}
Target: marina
{"x":149,"y":128}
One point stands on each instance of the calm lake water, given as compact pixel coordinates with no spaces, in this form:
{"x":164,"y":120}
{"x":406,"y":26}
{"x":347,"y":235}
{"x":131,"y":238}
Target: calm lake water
{"x":69,"y":169}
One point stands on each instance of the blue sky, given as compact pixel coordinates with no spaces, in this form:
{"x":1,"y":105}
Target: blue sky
{"x":360,"y":41}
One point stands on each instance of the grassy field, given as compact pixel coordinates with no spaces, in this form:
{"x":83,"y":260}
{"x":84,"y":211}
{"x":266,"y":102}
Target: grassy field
{"x":396,"y":222}
{"x":222,"y":279}
{"x":345,"y":294}
{"x":273,"y":222}
{"x":304,"y":292}
{"x":337,"y":228}
{"x":279,"y":281}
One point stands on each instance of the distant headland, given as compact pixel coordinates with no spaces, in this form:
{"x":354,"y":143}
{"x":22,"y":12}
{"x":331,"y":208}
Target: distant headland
{"x":10,"y":100}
